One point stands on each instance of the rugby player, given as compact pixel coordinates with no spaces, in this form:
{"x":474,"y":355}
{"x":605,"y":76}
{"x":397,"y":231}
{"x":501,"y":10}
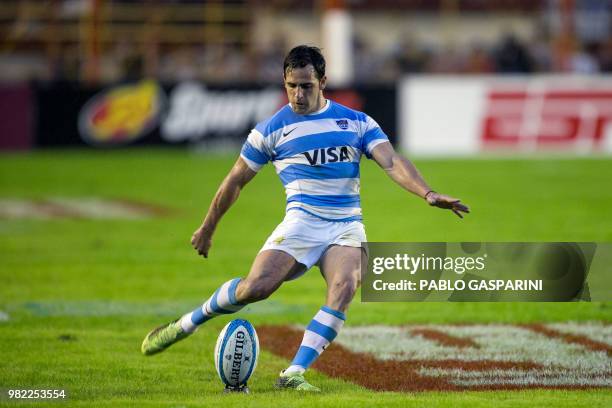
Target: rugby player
{"x":315,"y":144}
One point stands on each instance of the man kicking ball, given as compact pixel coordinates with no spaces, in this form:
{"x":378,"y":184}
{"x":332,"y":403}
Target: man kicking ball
{"x":315,"y":144}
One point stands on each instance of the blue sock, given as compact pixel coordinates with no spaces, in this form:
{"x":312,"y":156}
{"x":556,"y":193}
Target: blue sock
{"x":223,"y":301}
{"x":321,"y":331}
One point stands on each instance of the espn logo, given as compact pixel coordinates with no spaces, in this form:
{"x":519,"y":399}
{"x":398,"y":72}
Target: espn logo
{"x":535,"y":118}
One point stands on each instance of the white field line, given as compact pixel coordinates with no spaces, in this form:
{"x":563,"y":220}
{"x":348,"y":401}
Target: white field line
{"x":4,"y":317}
{"x":390,"y":343}
{"x":521,"y":344}
{"x":82,"y":207}
{"x":519,"y":377}
{"x":510,"y":373}
{"x":98,"y":208}
{"x":117,"y":308}
{"x":593,"y":330}
{"x":16,"y":209}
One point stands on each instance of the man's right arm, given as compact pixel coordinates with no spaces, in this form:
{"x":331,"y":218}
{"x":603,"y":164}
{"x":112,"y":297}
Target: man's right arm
{"x":226,"y":195}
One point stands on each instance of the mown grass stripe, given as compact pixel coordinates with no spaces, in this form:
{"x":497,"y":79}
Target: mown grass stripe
{"x":102,"y":308}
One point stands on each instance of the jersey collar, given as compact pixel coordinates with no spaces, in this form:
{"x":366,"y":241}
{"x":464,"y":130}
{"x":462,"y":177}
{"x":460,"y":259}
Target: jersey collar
{"x":323,"y":109}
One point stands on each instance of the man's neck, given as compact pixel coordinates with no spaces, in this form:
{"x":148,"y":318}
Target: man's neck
{"x":321,"y":105}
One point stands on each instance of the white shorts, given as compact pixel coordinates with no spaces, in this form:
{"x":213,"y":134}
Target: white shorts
{"x":306,"y":237}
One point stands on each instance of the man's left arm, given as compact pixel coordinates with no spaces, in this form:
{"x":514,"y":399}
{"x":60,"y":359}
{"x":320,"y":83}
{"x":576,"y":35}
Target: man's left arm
{"x":403,"y":172}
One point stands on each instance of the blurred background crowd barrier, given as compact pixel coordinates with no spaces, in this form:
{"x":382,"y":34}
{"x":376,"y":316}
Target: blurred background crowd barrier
{"x":440,"y":76}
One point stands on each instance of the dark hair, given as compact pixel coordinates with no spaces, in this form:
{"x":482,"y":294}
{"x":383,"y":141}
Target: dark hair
{"x":303,"y":55}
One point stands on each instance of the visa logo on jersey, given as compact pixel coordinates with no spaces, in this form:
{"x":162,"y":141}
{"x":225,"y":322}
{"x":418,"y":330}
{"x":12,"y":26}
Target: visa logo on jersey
{"x":324,"y":155}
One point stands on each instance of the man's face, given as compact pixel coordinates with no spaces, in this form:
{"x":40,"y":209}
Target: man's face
{"x":304,"y":90}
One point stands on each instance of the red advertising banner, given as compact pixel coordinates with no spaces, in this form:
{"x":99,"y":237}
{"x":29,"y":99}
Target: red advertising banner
{"x":451,"y":115}
{"x":548,"y":117}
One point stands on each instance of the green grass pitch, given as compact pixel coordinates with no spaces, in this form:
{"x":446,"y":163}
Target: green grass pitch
{"x":78,"y":295}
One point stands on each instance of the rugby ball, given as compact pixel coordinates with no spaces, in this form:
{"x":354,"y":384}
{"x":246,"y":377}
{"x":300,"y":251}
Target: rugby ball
{"x":236,"y":353}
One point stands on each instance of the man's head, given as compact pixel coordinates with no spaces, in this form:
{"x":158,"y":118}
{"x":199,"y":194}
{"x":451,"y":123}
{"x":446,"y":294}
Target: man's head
{"x":304,"y":73}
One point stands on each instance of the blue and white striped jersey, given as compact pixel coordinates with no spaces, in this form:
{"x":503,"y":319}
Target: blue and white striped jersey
{"x":316,"y":157}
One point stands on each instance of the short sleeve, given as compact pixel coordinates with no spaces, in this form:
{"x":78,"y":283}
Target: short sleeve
{"x":372,"y":136}
{"x":254,"y":152}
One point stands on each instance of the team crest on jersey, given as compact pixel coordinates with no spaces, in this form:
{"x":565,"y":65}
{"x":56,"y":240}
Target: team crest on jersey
{"x":342,"y":124}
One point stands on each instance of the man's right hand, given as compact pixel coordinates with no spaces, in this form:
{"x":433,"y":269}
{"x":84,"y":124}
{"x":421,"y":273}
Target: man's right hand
{"x":201,"y":240}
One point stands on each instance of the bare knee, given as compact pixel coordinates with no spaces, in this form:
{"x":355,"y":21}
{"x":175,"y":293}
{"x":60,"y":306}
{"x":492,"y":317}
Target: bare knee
{"x":249,"y":291}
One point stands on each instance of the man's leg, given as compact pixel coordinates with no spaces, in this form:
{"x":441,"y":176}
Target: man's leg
{"x":341,"y":267}
{"x":269,"y":270}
